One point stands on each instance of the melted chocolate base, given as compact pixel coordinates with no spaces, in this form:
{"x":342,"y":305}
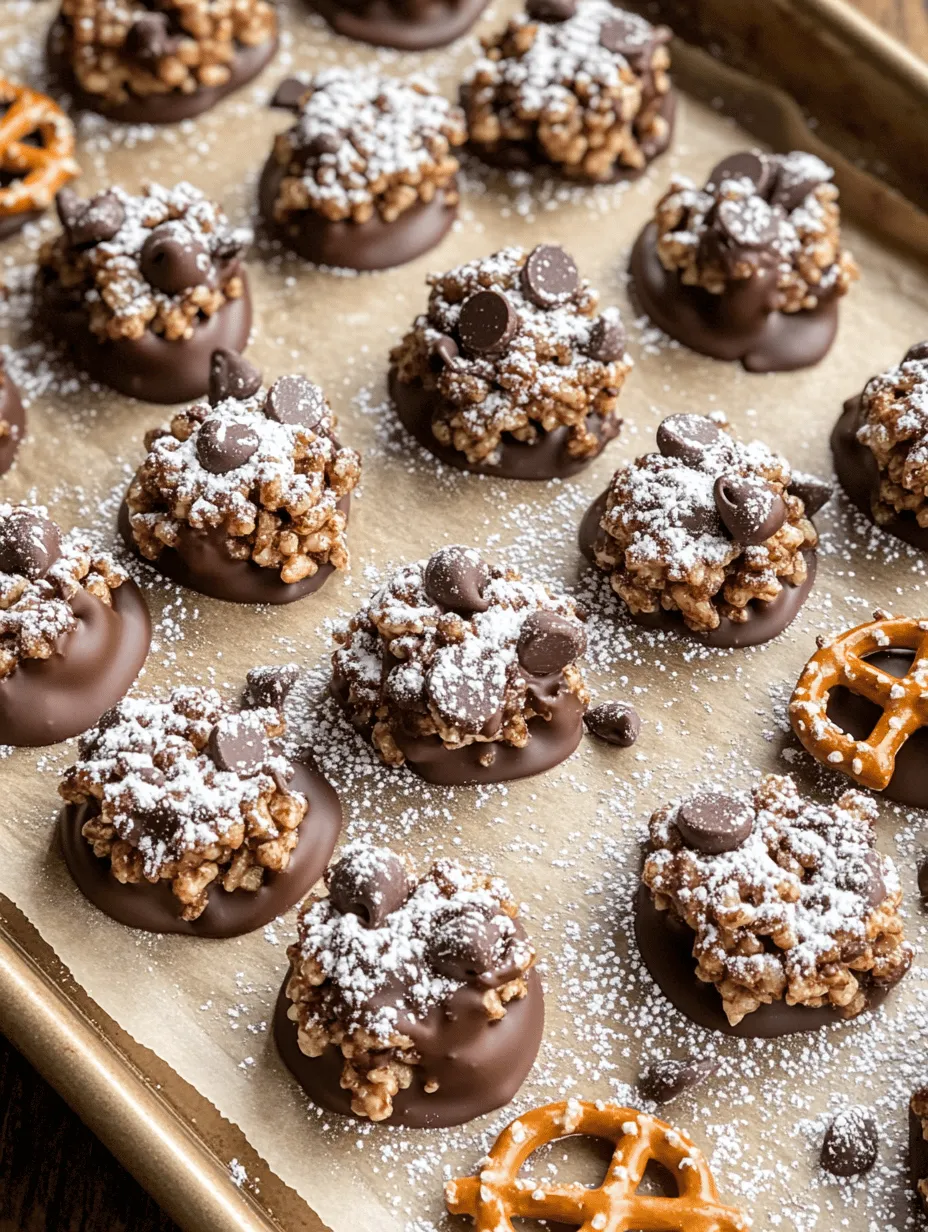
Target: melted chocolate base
{"x":150,"y":368}
{"x":547,"y":458}
{"x":479,"y":1065}
{"x":739,"y":324}
{"x":12,"y":224}
{"x":168,"y":108}
{"x":438,"y":23}
{"x":918,"y":1158}
{"x":371,"y":245}
{"x":859,"y":475}
{"x":43,"y":701}
{"x":666,"y":946}
{"x":11,"y":411}
{"x":765,"y":620}
{"x":154,"y":907}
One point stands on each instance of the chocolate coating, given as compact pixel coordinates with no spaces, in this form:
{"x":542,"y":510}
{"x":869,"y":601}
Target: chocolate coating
{"x":438,"y":23}
{"x":738,"y":324}
{"x":43,"y":701}
{"x":155,"y":909}
{"x":766,"y":620}
{"x":666,"y":946}
{"x":201,"y":563}
{"x":370,"y":245}
{"x":478,"y":1064}
{"x":918,"y":1158}
{"x":168,"y":108}
{"x":11,"y":410}
{"x":547,"y":458}
{"x":150,"y":367}
{"x":12,"y":224}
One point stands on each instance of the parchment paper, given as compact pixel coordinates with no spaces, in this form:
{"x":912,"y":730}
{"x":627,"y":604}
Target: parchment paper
{"x":568,"y":841}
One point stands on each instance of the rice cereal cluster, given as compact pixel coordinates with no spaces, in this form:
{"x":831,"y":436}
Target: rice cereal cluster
{"x":804,"y":911}
{"x":894,"y":427}
{"x":187,"y":791}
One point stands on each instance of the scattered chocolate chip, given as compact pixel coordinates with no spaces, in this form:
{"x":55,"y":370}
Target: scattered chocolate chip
{"x":918,"y":351}
{"x":711,"y":822}
{"x":607,"y":340}
{"x":296,"y":401}
{"x":231,"y":376}
{"x":550,"y":10}
{"x":89,"y":222}
{"x":622,"y":35}
{"x":663,"y":1081}
{"x":814,"y":492}
{"x":698,"y":518}
{"x":851,"y":1143}
{"x":687,"y":437}
{"x":171,"y":260}
{"x":923,"y":880}
{"x":549,"y":276}
{"x":288,"y":94}
{"x":238,"y":742}
{"x":467,"y":686}
{"x":487,"y":323}
{"x":270,"y":686}
{"x":29,"y":544}
{"x":748,"y":222}
{"x":615,"y":722}
{"x":797,"y":176}
{"x":149,"y":38}
{"x":746,"y":165}
{"x":443,"y":353}
{"x":456,"y":577}
{"x":548,"y":642}
{"x":223,"y":447}
{"x":370,"y":886}
{"x":464,"y":945}
{"x":750,"y":508}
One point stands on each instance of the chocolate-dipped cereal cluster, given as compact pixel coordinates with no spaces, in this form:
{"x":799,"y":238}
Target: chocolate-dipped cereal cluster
{"x":12,"y":418}
{"x":139,"y":62}
{"x":410,"y":25}
{"x":365,"y":177}
{"x":464,"y":671}
{"x":751,"y":266}
{"x":413,"y":998}
{"x":246,"y":496}
{"x":578,"y":84}
{"x":700,"y":533}
{"x":512,"y":371}
{"x":786,"y":902}
{"x":918,"y":1145}
{"x":130,"y":274}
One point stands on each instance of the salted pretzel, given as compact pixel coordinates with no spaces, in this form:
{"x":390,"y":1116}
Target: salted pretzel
{"x":904,"y":701}
{"x":499,"y":1195}
{"x":39,"y":170}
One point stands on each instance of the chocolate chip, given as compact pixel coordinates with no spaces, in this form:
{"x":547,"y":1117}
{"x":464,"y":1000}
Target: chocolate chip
{"x":622,"y":35}
{"x":296,"y":401}
{"x":918,"y":351}
{"x":238,"y":742}
{"x":814,"y":492}
{"x":688,"y":437}
{"x":548,"y":642}
{"x":747,"y":222}
{"x":172,"y":260}
{"x":467,"y":686}
{"x":444,"y":351}
{"x":923,"y":880}
{"x":615,"y":722}
{"x":89,"y":222}
{"x":797,"y":175}
{"x":223,"y":447}
{"x":464,"y":944}
{"x":851,"y":1143}
{"x":29,"y":544}
{"x":549,"y":276}
{"x":712,"y":823}
{"x":149,"y":38}
{"x":289,"y":93}
{"x":698,"y":518}
{"x":663,"y":1081}
{"x":746,"y":165}
{"x":156,"y":821}
{"x":607,"y":340}
{"x":487,"y":323}
{"x":750,"y":508}
{"x":270,"y":686}
{"x":456,"y":577}
{"x":370,"y":884}
{"x":875,"y":889}
{"x":550,"y":10}
{"x":231,"y":376}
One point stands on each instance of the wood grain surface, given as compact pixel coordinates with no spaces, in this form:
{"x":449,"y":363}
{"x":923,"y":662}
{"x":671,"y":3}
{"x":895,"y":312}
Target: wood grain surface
{"x":54,"y":1175}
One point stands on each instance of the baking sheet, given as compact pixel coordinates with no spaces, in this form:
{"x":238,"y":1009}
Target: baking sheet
{"x":569,"y":841}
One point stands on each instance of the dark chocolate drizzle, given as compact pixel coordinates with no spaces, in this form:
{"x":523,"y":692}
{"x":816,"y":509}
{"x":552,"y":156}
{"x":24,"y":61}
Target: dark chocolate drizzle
{"x":431,"y":23}
{"x":11,"y":410}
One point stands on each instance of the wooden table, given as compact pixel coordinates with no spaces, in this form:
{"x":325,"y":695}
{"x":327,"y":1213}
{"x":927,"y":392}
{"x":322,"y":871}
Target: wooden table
{"x":54,"y":1175}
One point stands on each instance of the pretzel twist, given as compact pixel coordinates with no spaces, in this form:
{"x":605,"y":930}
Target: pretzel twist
{"x":903,"y":701}
{"x":499,"y":1195}
{"x":40,"y":171}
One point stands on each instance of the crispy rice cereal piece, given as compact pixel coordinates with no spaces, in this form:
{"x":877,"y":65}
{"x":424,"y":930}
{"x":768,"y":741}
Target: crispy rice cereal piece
{"x":127,"y":48}
{"x":792,"y":216}
{"x":894,"y":427}
{"x":664,"y":544}
{"x":796,"y":913}
{"x":99,"y":260}
{"x":363,"y":142}
{"x":373,"y":958}
{"x":167,"y":806}
{"x":279,"y":507}
{"x":564,"y":362}
{"x":586,"y":94}
{"x":408,"y":663}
